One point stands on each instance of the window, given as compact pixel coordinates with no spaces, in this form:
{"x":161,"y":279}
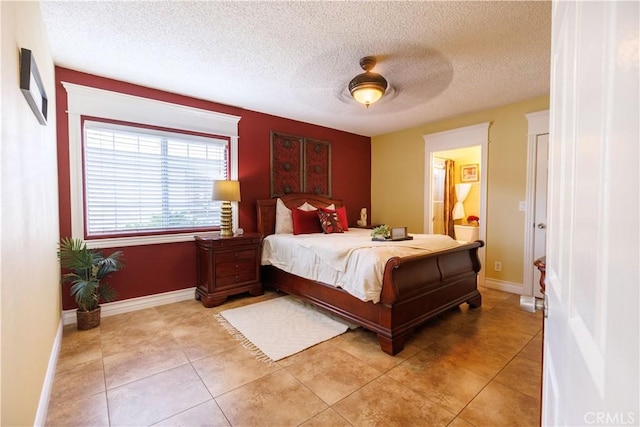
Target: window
{"x":139,"y":180}
{"x":180,"y":147}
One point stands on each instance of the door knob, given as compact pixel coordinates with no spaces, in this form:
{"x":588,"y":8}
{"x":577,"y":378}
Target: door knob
{"x":542,"y":226}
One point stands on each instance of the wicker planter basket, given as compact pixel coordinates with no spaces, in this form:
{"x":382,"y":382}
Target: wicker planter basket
{"x":88,"y":319}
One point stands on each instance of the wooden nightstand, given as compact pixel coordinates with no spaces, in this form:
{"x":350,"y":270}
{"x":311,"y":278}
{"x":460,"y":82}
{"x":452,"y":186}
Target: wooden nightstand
{"x":227,"y":266}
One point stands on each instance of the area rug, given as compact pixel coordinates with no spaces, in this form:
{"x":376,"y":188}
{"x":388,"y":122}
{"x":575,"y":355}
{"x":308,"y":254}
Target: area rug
{"x":280,"y":327}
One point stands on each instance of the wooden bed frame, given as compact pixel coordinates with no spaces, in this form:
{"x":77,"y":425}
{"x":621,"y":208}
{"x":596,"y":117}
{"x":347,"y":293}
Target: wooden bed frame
{"x":415,"y":288}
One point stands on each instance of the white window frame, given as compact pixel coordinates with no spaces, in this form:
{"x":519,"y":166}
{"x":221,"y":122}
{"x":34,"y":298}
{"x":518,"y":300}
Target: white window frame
{"x":214,"y":143}
{"x":92,"y":102}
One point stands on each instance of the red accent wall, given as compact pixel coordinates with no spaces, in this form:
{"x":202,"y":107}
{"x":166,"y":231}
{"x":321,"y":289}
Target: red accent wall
{"x":151,"y":269}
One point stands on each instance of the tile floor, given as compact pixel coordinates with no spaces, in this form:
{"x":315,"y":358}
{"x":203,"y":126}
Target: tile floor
{"x":174,"y":365}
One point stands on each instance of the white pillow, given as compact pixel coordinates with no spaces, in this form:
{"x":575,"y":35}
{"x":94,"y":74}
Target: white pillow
{"x":307,"y":207}
{"x":284,"y":220}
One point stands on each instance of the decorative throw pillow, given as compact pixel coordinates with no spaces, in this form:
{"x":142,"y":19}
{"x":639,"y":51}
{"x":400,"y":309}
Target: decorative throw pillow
{"x":342,"y":215}
{"x":330,"y":222}
{"x":305,"y":222}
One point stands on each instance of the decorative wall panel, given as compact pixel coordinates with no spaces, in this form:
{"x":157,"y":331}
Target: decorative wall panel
{"x":317,"y":167}
{"x":286,"y":164}
{"x":300,"y":164}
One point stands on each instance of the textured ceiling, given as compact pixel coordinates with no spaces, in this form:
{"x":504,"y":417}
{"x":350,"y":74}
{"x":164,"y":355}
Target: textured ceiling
{"x":295,"y":59}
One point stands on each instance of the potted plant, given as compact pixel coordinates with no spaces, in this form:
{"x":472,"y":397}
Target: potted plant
{"x":88,"y":268}
{"x":382,"y":232}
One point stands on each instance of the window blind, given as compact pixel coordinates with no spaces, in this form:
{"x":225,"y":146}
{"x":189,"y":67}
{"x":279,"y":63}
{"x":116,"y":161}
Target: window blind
{"x":140,"y":180}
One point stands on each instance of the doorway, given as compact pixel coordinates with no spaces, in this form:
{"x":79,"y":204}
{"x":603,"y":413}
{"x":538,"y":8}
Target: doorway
{"x":435,"y":144}
{"x":467,"y":191}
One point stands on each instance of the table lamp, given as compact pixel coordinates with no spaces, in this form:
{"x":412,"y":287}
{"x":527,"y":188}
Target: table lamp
{"x":226,"y":191}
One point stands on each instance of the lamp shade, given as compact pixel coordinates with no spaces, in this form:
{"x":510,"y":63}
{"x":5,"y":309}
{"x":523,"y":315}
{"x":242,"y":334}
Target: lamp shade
{"x":368,"y":87}
{"x":226,"y":190}
{"x":368,"y":91}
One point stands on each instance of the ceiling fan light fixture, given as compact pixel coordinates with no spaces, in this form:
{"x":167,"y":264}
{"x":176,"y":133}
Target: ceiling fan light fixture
{"x":368,"y":87}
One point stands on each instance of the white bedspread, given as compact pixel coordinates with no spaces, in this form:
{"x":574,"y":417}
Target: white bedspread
{"x":350,"y":260}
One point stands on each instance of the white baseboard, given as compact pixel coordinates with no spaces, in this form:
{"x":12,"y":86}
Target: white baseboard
{"x":45,"y":393}
{"x":501,"y":285}
{"x":133,"y":304}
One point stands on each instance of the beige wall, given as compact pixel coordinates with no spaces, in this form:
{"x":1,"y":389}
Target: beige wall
{"x":29,"y":273}
{"x":397,"y":180}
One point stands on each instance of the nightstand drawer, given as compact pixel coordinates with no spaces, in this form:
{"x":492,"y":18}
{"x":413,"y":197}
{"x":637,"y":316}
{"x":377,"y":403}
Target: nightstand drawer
{"x":247,"y":276}
{"x":229,"y":268}
{"x":223,"y":257}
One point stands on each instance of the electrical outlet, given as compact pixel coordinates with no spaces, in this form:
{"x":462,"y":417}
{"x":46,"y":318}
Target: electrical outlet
{"x":522,"y":206}
{"x":497,"y":266}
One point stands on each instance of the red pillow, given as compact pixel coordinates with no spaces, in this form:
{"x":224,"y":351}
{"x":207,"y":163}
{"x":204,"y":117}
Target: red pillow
{"x":329,"y":222}
{"x":342,"y":216}
{"x":305,"y":222}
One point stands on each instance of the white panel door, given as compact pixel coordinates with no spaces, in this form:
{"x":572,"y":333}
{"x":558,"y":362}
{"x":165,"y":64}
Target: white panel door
{"x":591,"y":342}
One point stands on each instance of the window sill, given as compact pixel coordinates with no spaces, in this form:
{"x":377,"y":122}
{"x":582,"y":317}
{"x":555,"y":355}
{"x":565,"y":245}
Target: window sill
{"x":114,"y":242}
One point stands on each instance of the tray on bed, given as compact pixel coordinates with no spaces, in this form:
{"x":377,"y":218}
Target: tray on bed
{"x":397,"y":239}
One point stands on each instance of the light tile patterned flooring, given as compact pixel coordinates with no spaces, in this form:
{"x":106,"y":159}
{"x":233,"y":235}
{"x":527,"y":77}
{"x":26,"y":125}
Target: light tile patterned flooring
{"x":174,"y":365}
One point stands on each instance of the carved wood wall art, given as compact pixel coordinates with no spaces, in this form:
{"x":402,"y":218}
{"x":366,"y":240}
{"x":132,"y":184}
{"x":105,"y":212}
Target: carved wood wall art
{"x":286,"y":164}
{"x":300,"y":164}
{"x":317,"y":167}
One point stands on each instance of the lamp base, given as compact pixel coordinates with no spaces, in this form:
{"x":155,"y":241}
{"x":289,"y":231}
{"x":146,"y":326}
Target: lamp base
{"x":226,"y":220}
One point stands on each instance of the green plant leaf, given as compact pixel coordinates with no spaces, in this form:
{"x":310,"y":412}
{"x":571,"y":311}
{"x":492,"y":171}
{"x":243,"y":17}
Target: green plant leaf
{"x":109,"y":265}
{"x":381,"y":231}
{"x":107,"y":293}
{"x":85,"y":292}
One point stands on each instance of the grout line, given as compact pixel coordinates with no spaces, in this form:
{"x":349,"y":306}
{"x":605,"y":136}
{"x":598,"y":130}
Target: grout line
{"x":495,"y":376}
{"x":104,"y":379}
{"x":210,"y":394}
